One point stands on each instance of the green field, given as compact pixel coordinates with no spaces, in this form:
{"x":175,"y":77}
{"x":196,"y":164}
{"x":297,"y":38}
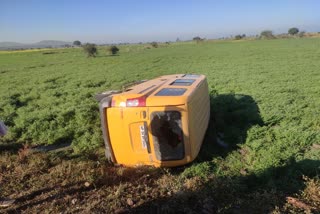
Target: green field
{"x":264,"y":107}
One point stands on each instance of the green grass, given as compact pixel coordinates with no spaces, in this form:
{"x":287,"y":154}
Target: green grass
{"x":264,"y":102}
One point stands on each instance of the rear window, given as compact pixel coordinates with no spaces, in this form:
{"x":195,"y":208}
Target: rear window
{"x":171,"y":92}
{"x":183,"y":82}
{"x":167,"y":135}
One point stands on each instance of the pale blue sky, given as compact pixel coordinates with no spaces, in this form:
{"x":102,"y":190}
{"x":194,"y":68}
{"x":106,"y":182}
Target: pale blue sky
{"x":150,"y":20}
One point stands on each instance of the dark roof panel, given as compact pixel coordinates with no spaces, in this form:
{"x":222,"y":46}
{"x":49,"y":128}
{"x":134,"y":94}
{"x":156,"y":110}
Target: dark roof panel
{"x":183,"y":82}
{"x":171,"y":92}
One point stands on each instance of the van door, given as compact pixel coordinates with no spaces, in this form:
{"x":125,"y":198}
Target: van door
{"x":128,"y":128}
{"x":168,"y":133}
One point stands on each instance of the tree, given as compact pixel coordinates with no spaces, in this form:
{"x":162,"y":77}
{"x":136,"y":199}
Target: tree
{"x":90,"y":49}
{"x":238,"y":37}
{"x":77,"y":43}
{"x":267,"y":34}
{"x":293,"y":31}
{"x":154,"y":44}
{"x":113,"y":49}
{"x":197,"y":38}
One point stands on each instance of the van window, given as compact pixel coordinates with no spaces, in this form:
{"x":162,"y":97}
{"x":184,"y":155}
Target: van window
{"x":167,"y":135}
{"x":171,"y":92}
{"x":183,"y":82}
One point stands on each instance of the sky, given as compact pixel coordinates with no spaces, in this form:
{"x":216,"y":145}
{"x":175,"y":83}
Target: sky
{"x":114,"y":21}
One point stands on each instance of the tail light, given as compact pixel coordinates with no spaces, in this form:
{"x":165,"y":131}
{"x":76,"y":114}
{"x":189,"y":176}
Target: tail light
{"x":133,"y":102}
{"x":136,"y":102}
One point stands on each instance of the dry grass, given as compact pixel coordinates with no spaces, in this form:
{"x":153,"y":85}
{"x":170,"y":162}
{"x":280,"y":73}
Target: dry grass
{"x":26,"y":50}
{"x":65,"y":183}
{"x":57,"y":183}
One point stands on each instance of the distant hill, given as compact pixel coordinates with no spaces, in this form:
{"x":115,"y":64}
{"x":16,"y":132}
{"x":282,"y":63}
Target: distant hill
{"x":41,"y":44}
{"x":10,"y":44}
{"x":52,"y":43}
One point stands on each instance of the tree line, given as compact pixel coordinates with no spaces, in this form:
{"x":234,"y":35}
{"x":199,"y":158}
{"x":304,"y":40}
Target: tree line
{"x":91,"y":49}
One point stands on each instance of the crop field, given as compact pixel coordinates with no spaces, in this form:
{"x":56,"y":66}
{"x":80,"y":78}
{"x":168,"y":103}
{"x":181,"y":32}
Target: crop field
{"x":261,"y":153}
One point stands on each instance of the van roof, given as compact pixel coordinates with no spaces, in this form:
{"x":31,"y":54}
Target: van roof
{"x":173,"y":89}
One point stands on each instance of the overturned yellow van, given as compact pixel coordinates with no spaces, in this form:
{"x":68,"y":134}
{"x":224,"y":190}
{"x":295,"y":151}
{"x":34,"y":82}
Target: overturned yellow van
{"x":159,"y":122}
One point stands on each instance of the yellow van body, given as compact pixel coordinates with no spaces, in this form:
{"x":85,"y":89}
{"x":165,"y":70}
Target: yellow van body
{"x":160,"y":122}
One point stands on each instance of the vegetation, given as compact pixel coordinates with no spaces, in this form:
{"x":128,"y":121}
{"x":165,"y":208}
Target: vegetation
{"x":293,"y":31}
{"x":113,"y":49}
{"x":154,"y":44}
{"x":90,"y":49}
{"x":238,"y":37}
{"x":301,"y":34}
{"x":77,"y":43}
{"x":260,"y":155}
{"x":197,"y":39}
{"x":267,"y":34}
